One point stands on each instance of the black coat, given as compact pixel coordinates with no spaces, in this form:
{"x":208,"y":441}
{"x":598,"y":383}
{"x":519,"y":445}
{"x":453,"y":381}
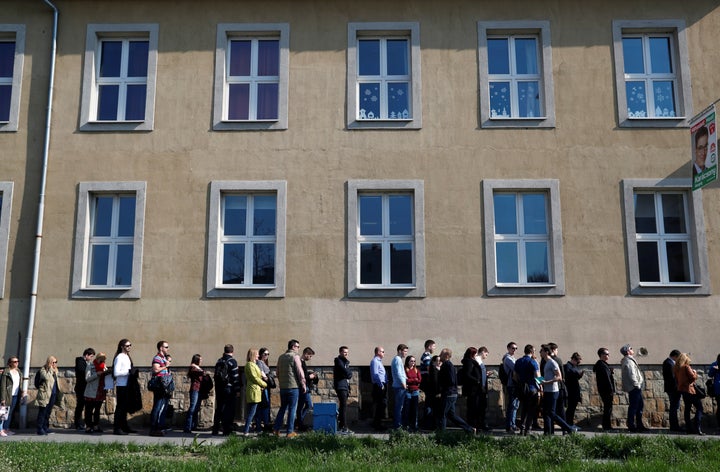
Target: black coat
{"x":341,"y":374}
{"x":473,"y":377}
{"x":572,"y":381}
{"x":669,"y":382}
{"x":605,"y":378}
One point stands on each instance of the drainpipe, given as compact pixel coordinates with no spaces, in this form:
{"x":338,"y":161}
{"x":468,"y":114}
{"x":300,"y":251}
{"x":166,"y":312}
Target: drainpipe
{"x":41,"y":215}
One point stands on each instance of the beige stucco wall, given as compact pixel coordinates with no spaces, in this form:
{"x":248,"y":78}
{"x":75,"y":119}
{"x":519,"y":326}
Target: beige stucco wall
{"x":586,"y":151}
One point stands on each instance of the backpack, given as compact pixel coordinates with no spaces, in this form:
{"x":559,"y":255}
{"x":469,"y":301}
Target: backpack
{"x":206,"y":385}
{"x":38,"y":380}
{"x":222,"y":373}
{"x":502,"y":373}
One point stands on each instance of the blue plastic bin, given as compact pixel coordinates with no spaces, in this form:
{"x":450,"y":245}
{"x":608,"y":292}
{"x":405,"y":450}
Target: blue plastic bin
{"x":325,"y":417}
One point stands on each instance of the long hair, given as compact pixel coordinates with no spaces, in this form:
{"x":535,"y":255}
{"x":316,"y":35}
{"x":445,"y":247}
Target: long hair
{"x":252,"y":355}
{"x":196,"y":359}
{"x":51,"y":364}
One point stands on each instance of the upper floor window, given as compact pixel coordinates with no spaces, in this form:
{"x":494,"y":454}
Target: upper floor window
{"x":667,"y":249}
{"x":12,"y":48}
{"x":652,"y":72}
{"x":119,"y":77}
{"x":523,"y":237}
{"x":247,"y":239}
{"x":384,"y":75}
{"x":251,"y":76}
{"x":108,"y":242}
{"x":516,"y":74}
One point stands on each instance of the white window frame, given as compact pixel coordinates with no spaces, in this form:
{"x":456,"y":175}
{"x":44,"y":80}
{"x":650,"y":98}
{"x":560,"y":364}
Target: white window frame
{"x":384,"y":30}
{"x":681,"y":65}
{"x":96,"y":33}
{"x":6,"y":190}
{"x":229,"y":31}
{"x":86,"y":194}
{"x":14,"y":33}
{"x":556,"y":285}
{"x":698,"y":244}
{"x":214,"y":287}
{"x":539,"y":30}
{"x":359,"y":187}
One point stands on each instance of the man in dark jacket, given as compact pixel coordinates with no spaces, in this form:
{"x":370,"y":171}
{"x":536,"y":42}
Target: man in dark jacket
{"x":573,"y":374}
{"x":605,"y":378}
{"x":341,"y":382}
{"x":80,"y":384}
{"x":226,"y":392}
{"x":670,"y":386}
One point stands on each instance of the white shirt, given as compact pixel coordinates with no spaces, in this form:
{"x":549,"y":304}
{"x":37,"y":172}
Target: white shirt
{"x":121,"y":369}
{"x":15,"y":374}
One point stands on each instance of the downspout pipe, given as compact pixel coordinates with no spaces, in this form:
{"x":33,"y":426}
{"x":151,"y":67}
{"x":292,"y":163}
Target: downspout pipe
{"x":40,"y":218}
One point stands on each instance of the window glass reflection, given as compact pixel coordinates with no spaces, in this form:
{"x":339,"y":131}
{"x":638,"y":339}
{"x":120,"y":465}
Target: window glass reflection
{"x":370,"y":215}
{"x":505,"y":213}
{"x":233,"y":264}
{"x":506,"y":255}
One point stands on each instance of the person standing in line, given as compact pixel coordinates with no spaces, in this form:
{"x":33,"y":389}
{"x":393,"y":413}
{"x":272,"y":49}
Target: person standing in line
{"x":412,"y":394}
{"x":449,"y":392}
{"x":262,"y":415}
{"x":562,"y":393}
{"x":160,"y":368}
{"x":427,"y":356}
{"x":305,"y":403}
{"x":483,"y":354}
{"x":46,"y":395}
{"x":195,"y":374}
{"x":512,"y":393}
{"x":379,"y":388}
{"x":714,"y":373}
{"x":341,"y":382}
{"x":10,"y":393}
{"x":605,"y":379}
{"x":551,"y":391}
{"x":292,"y":384}
{"x":227,"y":388}
{"x":670,"y":387}
{"x":94,"y":393}
{"x":81,"y":363}
{"x":255,"y":383}
{"x":686,"y":377}
{"x":471,"y":384}
{"x":526,"y":373}
{"x":399,"y":385}
{"x":122,"y":365}
{"x":573,"y":374}
{"x":632,"y":383}
{"x":431,"y":387}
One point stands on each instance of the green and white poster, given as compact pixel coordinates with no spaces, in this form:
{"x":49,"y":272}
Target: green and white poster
{"x":703,"y":141}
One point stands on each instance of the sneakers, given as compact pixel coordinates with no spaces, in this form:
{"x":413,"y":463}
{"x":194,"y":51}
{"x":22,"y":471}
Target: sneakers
{"x":156,"y":433}
{"x":345,"y":431}
{"x":3,"y":434}
{"x":292,"y":435}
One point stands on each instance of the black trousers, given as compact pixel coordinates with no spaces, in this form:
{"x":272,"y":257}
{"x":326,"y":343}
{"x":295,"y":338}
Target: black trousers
{"x":379,"y":394}
{"x":342,"y":407}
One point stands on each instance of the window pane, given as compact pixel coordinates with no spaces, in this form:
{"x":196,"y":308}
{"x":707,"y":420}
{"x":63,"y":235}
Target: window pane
{"x":110,"y":57}
{"x":240,"y":58}
{"x":401,"y":215}
{"x":526,"y":56}
{"x":233,"y":263}
{"x":264,"y":215}
{"x":269,"y":57}
{"x":664,"y":95}
{"x":267,"y":102}
{"x":5,"y":94}
{"x":660,"y":62}
{"x":536,"y":258}
{"x":645,"y":213}
{"x":99,"y":257}
{"x":126,"y":223}
{"x":674,"y":213}
{"x":534,"y":214}
{"x":263,"y":264}
{"x":633,"y":55}
{"x":500,"y":100}
{"x":369,"y":57}
{"x":7,"y":58}
{"x":399,"y":101}
{"x":678,"y":261}
{"x":505,"y":213}
{"x":234,"y":215}
{"x":498,"y":56}
{"x":648,"y":262}
{"x":239,"y":102}
{"x":370,"y":263}
{"x":138,"y":58}
{"x":529,"y":99}
{"x":135,"y":104}
{"x":108,"y":102}
{"x":507,"y":262}
{"x":636,"y":99}
{"x":369,"y":101}
{"x":102,"y":219}
{"x":370,"y":215}
{"x":401,"y":259}
{"x":397,"y":57}
{"x":123,"y":267}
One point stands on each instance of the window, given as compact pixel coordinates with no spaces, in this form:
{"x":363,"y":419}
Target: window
{"x":12,"y":53}
{"x":516,"y":83}
{"x":108,"y":240}
{"x":652,"y":73}
{"x":119,"y":78}
{"x":246,"y":244}
{"x":523,"y":237}
{"x":384,"y":76}
{"x":6,"y":194}
{"x":667,"y":251}
{"x":251,"y":77}
{"x":386,"y":242}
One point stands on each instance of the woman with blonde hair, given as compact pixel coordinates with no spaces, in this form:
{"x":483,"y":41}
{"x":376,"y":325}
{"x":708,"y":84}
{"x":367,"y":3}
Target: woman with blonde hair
{"x":255,"y":380}
{"x":47,"y":394}
{"x":686,"y":377}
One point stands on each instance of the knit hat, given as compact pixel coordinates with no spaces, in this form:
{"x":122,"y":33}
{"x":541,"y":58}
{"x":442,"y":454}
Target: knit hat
{"x":625,"y":349}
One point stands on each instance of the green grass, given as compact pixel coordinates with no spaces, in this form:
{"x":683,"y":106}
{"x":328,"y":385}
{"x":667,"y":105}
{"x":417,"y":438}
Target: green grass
{"x":414,"y":453}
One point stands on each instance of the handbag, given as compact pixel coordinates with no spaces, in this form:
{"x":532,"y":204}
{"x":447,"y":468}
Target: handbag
{"x":4,"y":412}
{"x":700,"y":391}
{"x":271,"y":382}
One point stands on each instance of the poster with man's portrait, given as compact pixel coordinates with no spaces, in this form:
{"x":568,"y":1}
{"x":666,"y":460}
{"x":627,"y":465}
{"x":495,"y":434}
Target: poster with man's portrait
{"x":703,"y":141}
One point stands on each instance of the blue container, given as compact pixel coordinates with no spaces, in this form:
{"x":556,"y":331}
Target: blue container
{"x":325,"y":417}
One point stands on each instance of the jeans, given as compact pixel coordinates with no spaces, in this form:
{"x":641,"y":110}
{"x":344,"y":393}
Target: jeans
{"x":5,"y":425}
{"x":635,"y":409}
{"x":529,"y":410}
{"x":342,"y":407}
{"x":157,"y":415}
{"x":691,"y":400}
{"x":448,"y":402}
{"x":674,"y":408}
{"x":305,"y":404}
{"x":262,"y":415}
{"x":121,"y":406}
{"x":251,"y":409}
{"x":512,"y":403}
{"x":191,"y":421}
{"x":399,"y":397}
{"x":550,"y":400}
{"x":410,"y":410}
{"x":288,"y":401}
